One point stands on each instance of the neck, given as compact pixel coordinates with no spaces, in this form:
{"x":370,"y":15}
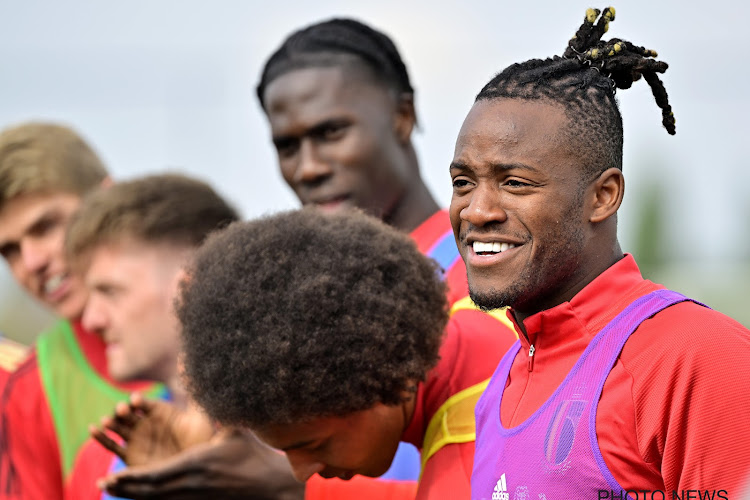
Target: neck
{"x":598,"y":264}
{"x":417,"y":204}
{"x":177,"y":390}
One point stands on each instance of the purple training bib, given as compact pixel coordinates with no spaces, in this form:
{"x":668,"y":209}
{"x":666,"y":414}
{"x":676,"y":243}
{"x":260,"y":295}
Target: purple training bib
{"x":554,"y":454}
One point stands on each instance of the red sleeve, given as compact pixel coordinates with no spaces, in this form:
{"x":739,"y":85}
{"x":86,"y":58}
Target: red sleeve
{"x":92,"y":463}
{"x":689,"y":368}
{"x":359,"y":487}
{"x":455,"y":279}
{"x":447,"y":474}
{"x":29,"y":456}
{"x":473,"y":345}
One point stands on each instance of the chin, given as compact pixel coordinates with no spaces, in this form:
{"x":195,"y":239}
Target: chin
{"x":71,"y":310}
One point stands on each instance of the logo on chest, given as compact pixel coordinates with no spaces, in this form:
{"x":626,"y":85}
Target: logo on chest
{"x":562,"y":433}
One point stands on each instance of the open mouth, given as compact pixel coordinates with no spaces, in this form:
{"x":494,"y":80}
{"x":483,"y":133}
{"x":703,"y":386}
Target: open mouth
{"x":331,"y":203}
{"x":491,"y":248}
{"x":56,"y":287}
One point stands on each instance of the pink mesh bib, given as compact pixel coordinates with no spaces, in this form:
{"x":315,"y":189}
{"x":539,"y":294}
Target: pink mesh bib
{"x":554,"y":454}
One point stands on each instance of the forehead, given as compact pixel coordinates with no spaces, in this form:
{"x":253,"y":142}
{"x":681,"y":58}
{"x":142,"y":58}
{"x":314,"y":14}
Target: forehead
{"x":312,"y":93}
{"x":508,"y":130}
{"x":126,"y":259}
{"x":294,"y":435}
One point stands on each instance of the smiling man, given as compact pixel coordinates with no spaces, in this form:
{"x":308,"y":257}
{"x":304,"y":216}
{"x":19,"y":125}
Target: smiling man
{"x":616,"y":384}
{"x":50,"y":399}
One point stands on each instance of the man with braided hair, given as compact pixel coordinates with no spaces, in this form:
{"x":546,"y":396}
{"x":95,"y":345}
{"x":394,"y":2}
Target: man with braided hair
{"x":340,"y":105}
{"x":617,"y":387}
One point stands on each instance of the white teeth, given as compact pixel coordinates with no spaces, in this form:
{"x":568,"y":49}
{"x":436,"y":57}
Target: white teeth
{"x":51,"y":284}
{"x":493,"y":247}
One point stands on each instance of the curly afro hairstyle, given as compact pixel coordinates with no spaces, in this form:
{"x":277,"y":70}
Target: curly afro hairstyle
{"x":303,"y":315}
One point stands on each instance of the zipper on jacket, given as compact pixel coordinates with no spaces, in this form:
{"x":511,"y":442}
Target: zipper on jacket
{"x":531,"y":357}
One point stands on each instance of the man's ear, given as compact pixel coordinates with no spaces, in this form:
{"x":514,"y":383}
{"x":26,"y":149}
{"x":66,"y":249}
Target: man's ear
{"x":608,"y":190}
{"x":405,"y":118}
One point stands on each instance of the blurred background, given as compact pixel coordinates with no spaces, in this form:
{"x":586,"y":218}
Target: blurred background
{"x":170,"y":84}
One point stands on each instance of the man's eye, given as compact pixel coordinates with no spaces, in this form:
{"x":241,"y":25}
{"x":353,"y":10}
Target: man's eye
{"x":333,"y":131}
{"x":516,"y":183}
{"x":286,"y":149}
{"x":9,"y":252}
{"x":460,"y":183}
{"x":44,"y":226}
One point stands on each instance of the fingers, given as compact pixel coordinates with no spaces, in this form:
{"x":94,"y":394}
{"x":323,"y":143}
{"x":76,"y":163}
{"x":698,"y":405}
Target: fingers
{"x":110,"y":444}
{"x":123,"y":420}
{"x":178,"y":477}
{"x":127,"y":415}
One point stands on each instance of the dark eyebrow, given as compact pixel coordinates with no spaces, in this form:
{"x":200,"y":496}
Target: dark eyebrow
{"x":315,"y":131}
{"x":298,"y":445}
{"x":51,"y":215}
{"x":496,"y":167}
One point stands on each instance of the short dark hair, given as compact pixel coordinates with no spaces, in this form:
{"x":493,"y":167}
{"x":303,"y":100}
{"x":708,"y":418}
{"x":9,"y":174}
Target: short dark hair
{"x":303,"y":315}
{"x":167,"y":208}
{"x":322,"y":44}
{"x":583,"y":81}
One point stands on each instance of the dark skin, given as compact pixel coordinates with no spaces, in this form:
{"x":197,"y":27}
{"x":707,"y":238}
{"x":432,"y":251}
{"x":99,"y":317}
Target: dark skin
{"x":175,"y":453}
{"x":518,"y":183}
{"x":343,"y":140}
{"x":233,"y":463}
{"x":152,"y":430}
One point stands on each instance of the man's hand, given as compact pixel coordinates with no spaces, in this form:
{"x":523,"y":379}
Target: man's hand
{"x":232,"y":465}
{"x":152,"y":430}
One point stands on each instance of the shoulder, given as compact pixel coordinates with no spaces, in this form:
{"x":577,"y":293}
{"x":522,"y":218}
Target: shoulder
{"x":11,"y":354}
{"x":688,"y":335}
{"x":93,"y":462}
{"x":25,"y":376}
{"x":473,"y":345}
{"x":689,"y":358}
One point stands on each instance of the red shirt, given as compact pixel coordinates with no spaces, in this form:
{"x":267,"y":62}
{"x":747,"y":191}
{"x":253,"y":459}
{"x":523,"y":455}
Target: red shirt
{"x":11,"y":355}
{"x":673,"y":414}
{"x":30,"y":467}
{"x":429,"y":235}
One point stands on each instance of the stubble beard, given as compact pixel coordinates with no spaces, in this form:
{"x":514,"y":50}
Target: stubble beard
{"x":545,"y":277}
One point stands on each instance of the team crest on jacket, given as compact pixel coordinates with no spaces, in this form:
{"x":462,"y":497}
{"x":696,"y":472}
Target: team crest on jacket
{"x":561,"y":434}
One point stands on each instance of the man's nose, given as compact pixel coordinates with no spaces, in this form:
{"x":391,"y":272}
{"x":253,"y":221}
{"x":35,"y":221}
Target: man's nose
{"x":93,"y":319}
{"x":303,"y":466}
{"x":312,"y":166}
{"x":484,"y":207}
{"x":34,"y":255}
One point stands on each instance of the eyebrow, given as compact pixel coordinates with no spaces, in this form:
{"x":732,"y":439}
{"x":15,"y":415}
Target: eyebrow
{"x":315,"y":130}
{"x":495,"y":167}
{"x":298,"y":445}
{"x":47,"y":216}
